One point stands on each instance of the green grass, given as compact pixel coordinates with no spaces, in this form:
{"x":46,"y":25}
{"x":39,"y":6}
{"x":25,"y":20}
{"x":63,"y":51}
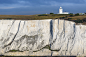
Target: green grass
{"x":70,"y":17}
{"x":32,"y":17}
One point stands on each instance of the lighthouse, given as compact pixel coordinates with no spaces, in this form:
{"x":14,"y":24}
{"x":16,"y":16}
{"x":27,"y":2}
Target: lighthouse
{"x":60,"y":10}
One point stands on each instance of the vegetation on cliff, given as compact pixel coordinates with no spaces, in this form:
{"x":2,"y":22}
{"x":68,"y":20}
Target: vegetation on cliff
{"x":71,"y":17}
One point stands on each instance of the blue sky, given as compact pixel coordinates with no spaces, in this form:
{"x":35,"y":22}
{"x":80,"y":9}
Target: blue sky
{"x":31,"y":7}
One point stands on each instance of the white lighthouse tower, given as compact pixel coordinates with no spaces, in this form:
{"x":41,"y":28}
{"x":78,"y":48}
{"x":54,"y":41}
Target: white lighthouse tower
{"x":60,"y":10}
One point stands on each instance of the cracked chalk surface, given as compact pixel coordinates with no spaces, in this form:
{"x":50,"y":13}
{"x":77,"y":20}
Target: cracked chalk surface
{"x":42,"y":37}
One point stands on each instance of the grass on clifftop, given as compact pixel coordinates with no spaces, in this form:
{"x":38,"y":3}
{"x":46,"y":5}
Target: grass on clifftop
{"x":70,"y":17}
{"x":32,"y":17}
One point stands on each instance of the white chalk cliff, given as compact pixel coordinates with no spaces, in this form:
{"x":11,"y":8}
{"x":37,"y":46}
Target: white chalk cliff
{"x":53,"y":37}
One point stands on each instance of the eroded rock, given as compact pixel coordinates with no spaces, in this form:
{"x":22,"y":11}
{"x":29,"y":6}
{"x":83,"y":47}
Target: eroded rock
{"x":61,"y":37}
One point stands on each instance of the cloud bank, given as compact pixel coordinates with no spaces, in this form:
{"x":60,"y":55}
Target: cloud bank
{"x":29,"y":7}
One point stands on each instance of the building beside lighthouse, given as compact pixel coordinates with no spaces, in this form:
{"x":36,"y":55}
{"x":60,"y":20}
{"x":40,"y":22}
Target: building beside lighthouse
{"x":61,"y":11}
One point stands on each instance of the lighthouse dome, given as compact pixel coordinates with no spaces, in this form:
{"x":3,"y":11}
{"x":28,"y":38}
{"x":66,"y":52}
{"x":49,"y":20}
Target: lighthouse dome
{"x":60,"y":7}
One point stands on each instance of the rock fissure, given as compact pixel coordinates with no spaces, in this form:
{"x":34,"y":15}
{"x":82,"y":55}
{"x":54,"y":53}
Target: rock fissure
{"x":11,"y":25}
{"x":60,"y":36}
{"x":73,"y":38}
{"x":14,"y":36}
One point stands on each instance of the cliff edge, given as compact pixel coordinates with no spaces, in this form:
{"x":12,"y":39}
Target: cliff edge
{"x":42,"y":37}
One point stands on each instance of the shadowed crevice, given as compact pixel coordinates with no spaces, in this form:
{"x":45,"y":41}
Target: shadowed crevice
{"x":14,"y":36}
{"x":51,"y":34}
{"x":74,"y":26}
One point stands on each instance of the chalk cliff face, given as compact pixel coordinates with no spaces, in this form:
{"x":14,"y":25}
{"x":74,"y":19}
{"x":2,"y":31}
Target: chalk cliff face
{"x":53,"y":37}
{"x":68,"y":38}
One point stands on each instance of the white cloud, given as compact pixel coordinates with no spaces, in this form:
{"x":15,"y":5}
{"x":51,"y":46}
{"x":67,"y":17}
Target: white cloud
{"x":84,"y":0}
{"x":24,"y":2}
{"x":6,"y":7}
{"x":56,"y":3}
{"x":9,"y":6}
{"x":16,"y":5}
{"x":51,"y":3}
